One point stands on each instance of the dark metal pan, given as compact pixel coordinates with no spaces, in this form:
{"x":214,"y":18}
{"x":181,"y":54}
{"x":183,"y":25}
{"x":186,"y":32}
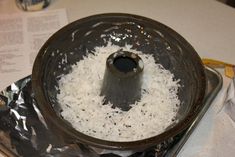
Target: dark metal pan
{"x":167,"y":47}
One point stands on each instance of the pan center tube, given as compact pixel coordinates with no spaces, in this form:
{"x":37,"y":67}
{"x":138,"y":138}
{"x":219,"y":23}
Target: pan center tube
{"x":122,"y":79}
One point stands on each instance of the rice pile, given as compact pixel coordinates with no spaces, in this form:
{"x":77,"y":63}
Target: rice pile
{"x":83,"y":107}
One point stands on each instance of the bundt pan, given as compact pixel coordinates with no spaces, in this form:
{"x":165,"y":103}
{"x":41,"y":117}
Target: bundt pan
{"x":167,"y":47}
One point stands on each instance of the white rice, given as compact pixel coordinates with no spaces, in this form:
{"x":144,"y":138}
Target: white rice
{"x":83,"y":106}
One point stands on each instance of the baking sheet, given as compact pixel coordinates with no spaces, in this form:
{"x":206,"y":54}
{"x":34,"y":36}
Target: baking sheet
{"x":23,"y":131}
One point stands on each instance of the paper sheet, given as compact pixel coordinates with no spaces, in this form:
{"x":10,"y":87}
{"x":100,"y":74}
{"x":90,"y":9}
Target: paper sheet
{"x":21,"y":37}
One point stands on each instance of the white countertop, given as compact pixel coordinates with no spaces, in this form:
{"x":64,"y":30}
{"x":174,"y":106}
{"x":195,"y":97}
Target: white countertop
{"x":207,"y":24}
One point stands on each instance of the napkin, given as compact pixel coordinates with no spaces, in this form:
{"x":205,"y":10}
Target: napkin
{"x":215,"y":135}
{"x":229,"y":107}
{"x":222,"y":141}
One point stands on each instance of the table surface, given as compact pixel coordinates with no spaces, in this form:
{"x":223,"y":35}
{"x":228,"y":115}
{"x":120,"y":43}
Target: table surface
{"x":207,"y":24}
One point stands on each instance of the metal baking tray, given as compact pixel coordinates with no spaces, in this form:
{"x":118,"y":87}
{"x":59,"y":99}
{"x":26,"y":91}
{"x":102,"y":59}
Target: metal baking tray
{"x":214,"y":84}
{"x":9,"y":148}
